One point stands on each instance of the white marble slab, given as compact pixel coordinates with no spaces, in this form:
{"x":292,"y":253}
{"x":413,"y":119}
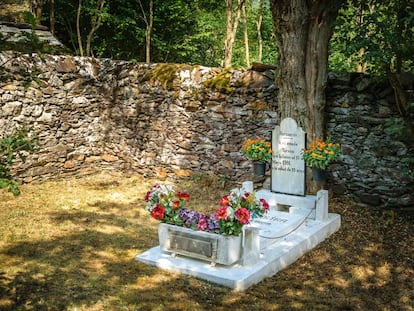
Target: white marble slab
{"x":273,"y":258}
{"x":275,"y":225}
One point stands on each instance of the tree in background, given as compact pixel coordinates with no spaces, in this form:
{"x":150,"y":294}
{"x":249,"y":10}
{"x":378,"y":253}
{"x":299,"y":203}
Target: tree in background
{"x":95,"y":12}
{"x":233,"y":13}
{"x":176,"y":31}
{"x":148,"y":28}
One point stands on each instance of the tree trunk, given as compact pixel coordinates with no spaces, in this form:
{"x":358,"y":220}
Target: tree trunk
{"x":232,"y":23}
{"x":148,"y":33}
{"x":78,"y":28}
{"x":37,"y":6}
{"x":52,"y":16}
{"x":303,"y":29}
{"x":148,"y":30}
{"x":96,"y":23}
{"x":246,"y":35}
{"x":259,"y":30}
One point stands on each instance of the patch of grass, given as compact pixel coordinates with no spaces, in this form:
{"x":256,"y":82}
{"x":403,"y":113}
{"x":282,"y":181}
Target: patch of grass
{"x":71,"y":245}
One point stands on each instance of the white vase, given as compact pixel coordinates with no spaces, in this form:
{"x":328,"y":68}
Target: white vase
{"x":216,"y":248}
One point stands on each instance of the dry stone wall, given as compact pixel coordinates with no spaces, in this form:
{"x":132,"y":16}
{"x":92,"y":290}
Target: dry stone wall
{"x":373,"y":169}
{"x":178,"y":120}
{"x":98,"y":114}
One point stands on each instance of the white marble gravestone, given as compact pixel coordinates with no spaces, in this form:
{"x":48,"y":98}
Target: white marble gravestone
{"x":270,"y":243}
{"x":288,"y":166}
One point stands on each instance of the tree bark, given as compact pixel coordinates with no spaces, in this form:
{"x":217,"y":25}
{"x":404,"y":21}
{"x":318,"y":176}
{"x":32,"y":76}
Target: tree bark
{"x":52,"y":16}
{"x":148,"y":23}
{"x":303,"y":29}
{"x":246,"y":35}
{"x":232,"y":23}
{"x":78,"y":28}
{"x":96,"y":23}
{"x":259,"y":30}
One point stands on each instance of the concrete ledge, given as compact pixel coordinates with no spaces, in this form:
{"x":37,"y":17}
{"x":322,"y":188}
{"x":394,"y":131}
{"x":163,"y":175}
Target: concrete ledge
{"x":275,"y":257}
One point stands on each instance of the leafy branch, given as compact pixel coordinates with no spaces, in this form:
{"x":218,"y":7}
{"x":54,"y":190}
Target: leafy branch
{"x":17,"y":145}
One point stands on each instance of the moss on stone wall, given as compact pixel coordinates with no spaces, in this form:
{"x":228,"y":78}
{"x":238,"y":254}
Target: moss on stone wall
{"x":220,"y":82}
{"x":165,"y":74}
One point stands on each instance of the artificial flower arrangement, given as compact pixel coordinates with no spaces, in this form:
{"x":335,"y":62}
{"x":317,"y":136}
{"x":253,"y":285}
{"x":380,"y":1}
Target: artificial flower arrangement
{"x":321,"y":153}
{"x":236,"y":210}
{"x":257,"y":149}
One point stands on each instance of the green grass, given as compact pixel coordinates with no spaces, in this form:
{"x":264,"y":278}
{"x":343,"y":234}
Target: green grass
{"x":71,"y":245}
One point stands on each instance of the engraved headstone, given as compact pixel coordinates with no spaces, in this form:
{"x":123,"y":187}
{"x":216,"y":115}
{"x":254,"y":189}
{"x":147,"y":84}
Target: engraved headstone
{"x":288,"y":166}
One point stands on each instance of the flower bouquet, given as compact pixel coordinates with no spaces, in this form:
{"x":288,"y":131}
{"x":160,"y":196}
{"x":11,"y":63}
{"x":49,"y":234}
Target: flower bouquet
{"x":165,"y":204}
{"x":321,"y":153}
{"x":236,"y":210}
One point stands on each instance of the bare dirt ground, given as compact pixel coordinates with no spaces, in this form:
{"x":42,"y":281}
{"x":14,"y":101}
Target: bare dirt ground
{"x":71,"y":244}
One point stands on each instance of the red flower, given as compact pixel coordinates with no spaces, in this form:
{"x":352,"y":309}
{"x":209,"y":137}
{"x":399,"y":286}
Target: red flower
{"x":265,"y":204}
{"x":183,"y":195}
{"x":242,"y":215}
{"x":158,"y":212}
{"x":224,"y":201}
{"x":176,"y":204}
{"x":221,"y":213}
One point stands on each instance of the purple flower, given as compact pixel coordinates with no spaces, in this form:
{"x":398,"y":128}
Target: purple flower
{"x":213,"y":224}
{"x":189,"y":217}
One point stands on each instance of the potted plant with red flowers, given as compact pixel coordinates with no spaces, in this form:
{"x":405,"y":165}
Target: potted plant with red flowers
{"x":181,"y":228}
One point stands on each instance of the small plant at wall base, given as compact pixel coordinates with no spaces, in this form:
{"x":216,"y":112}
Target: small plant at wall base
{"x":321,"y":153}
{"x":236,"y":210}
{"x":20,"y":143}
{"x":257,"y":150}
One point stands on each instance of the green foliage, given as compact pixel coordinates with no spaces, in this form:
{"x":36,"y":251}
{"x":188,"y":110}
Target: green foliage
{"x":190,"y":32}
{"x":18,"y":144}
{"x":394,"y":127}
{"x":373,"y":34}
{"x":397,"y":128}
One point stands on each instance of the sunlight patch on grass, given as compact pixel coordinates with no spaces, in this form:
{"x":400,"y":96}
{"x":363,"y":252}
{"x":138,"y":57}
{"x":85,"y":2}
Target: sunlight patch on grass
{"x":71,"y":245}
{"x":362,"y":273}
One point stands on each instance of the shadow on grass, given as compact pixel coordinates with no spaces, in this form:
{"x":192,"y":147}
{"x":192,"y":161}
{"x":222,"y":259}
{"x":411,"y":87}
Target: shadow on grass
{"x":90,"y":264}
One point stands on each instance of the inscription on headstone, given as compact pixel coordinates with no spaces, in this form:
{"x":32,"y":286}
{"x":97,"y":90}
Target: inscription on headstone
{"x":288,"y":166}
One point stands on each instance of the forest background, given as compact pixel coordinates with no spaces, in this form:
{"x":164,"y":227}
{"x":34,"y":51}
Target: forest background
{"x":368,"y":35}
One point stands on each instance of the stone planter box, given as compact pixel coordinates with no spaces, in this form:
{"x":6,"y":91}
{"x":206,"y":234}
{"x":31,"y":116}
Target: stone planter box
{"x":216,"y":248}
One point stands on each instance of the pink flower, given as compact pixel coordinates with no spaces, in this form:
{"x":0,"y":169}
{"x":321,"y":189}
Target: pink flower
{"x":242,"y":215}
{"x":202,"y":223}
{"x":147,"y":196}
{"x":265,"y":204}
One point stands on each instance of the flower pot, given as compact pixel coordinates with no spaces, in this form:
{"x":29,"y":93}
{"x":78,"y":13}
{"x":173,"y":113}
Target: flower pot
{"x":318,"y":175}
{"x":259,"y":169}
{"x":212,"y":247}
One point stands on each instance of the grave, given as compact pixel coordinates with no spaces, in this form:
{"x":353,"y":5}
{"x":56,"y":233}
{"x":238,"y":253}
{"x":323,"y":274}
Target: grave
{"x":272,"y":242}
